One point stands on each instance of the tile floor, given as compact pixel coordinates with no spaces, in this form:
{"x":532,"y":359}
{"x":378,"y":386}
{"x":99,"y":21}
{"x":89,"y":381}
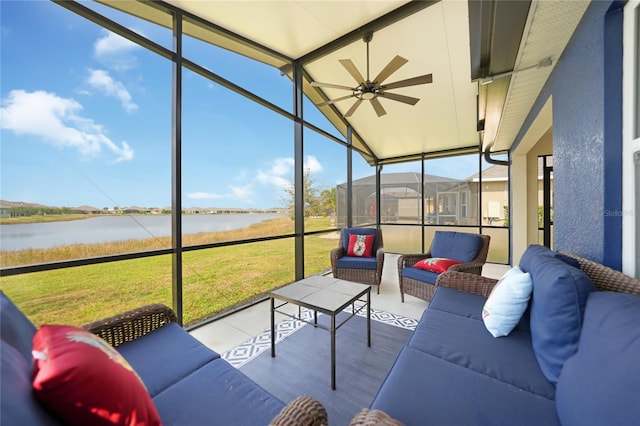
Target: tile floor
{"x":230,"y":331}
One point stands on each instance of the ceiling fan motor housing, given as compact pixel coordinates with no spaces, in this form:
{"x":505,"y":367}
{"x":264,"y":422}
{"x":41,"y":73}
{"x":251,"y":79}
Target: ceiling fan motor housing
{"x":370,"y":91}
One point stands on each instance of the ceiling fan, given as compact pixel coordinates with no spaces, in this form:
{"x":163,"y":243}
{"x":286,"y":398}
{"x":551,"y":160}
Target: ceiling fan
{"x":372,"y":90}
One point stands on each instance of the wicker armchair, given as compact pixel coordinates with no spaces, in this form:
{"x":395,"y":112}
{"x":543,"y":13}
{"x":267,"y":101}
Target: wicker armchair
{"x":603,"y":277}
{"x":424,"y":289}
{"x":362,"y":270}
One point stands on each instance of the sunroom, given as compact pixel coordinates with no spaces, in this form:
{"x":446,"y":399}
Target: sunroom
{"x":512,"y":119}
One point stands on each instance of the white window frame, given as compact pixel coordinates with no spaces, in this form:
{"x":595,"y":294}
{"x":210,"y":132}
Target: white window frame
{"x":631,"y":140}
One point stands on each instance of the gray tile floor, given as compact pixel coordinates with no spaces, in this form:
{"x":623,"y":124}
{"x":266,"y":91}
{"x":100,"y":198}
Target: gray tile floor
{"x":230,"y":331}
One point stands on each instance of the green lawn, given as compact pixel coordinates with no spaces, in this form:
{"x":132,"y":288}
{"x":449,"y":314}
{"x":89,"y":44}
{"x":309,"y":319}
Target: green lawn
{"x":214,"y":280}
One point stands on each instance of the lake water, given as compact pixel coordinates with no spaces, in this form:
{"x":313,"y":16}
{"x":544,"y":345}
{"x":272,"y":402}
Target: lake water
{"x":104,"y":229}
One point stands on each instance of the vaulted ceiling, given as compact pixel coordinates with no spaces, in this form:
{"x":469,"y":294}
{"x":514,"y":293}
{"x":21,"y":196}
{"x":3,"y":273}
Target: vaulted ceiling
{"x":470,"y":48}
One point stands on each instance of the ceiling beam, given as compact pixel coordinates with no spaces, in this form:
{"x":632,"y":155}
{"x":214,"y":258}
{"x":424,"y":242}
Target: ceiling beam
{"x":495,"y":31}
{"x":390,"y":18}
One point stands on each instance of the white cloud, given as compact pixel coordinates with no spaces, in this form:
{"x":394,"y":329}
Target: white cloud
{"x":203,"y":196}
{"x":115,"y":51}
{"x":281,"y":172}
{"x":278,"y":181}
{"x":57,"y":121}
{"x":312,"y":164}
{"x":238,"y":193}
{"x":282,"y":166}
{"x":102,"y":81}
{"x":243,"y":193}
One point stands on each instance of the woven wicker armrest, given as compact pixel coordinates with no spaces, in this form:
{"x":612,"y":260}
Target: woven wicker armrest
{"x":469,"y":283}
{"x":605,"y":278}
{"x":411,"y":259}
{"x":368,"y":417}
{"x":337,"y":253}
{"x":471,"y":267}
{"x":302,"y":411}
{"x":130,"y":325}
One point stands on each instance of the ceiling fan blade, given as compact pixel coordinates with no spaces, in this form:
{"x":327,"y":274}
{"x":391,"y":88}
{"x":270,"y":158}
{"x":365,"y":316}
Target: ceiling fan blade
{"x":351,"y":69}
{"x":391,"y":67}
{"x":332,"y":101}
{"x":400,"y":98}
{"x":378,"y":107}
{"x":331,"y":86}
{"x":353,"y":108}
{"x":423,"y":79}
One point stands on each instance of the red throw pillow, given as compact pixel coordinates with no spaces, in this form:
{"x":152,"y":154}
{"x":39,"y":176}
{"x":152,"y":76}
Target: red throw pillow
{"x":436,"y":264}
{"x":360,"y":245}
{"x":83,"y":380}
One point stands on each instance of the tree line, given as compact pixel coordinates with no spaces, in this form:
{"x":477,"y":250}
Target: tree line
{"x":318,"y":200}
{"x":20,"y":211}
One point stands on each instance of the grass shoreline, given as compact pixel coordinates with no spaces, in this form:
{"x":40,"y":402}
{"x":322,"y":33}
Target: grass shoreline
{"x":269,"y":227}
{"x":214,"y":280}
{"x":46,"y":218}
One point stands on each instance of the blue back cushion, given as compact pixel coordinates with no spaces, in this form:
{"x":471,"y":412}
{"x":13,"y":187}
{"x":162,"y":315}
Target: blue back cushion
{"x":359,"y":231}
{"x":536,"y":250}
{"x":456,"y":245}
{"x":15,"y":327}
{"x":560,"y":293}
{"x":17,"y":404}
{"x":601,"y":383}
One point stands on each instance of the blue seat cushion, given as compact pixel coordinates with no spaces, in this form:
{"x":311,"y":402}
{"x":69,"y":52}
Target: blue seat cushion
{"x":456,"y":245}
{"x":560,"y":293}
{"x":15,"y":328}
{"x":466,"y":342}
{"x":422,"y":389}
{"x":600,"y":384}
{"x":426,"y":277}
{"x":464,"y":304}
{"x":217,"y":394}
{"x":179,"y":359}
{"x":353,"y":262}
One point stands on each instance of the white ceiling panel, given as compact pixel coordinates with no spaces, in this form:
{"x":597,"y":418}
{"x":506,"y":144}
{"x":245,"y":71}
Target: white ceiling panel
{"x":292,"y":28}
{"x":434,"y":38}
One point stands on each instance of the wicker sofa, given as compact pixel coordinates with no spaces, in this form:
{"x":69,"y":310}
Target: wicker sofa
{"x":579,"y":367}
{"x":189,"y":384}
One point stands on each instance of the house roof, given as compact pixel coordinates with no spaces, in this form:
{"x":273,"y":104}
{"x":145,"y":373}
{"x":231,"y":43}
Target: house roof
{"x":459,"y":43}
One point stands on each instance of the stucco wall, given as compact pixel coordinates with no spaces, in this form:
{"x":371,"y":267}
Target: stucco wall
{"x":584,"y":152}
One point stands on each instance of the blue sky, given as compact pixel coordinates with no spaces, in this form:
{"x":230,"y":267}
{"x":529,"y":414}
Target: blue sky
{"x":86,"y":120}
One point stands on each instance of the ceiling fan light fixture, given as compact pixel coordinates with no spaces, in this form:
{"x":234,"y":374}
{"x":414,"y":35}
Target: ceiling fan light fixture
{"x":367,"y":95}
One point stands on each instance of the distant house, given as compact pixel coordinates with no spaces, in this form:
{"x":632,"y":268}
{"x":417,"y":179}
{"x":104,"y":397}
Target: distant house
{"x":135,"y":210}
{"x":88,"y":210}
{"x":495,"y":192}
{"x":446,"y":201}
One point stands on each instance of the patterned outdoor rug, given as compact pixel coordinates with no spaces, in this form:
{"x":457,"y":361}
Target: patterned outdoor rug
{"x":302,"y":365}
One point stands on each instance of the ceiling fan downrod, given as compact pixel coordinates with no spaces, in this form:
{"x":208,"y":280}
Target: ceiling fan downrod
{"x":368,"y":36}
